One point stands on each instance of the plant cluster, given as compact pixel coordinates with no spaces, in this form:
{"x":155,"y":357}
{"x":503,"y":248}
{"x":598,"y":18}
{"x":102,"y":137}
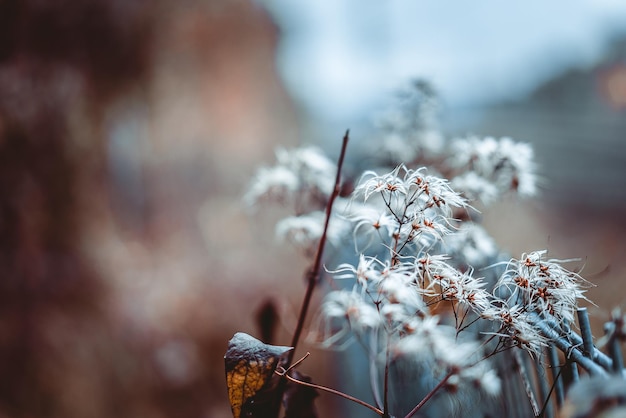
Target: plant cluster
{"x":416,"y":281}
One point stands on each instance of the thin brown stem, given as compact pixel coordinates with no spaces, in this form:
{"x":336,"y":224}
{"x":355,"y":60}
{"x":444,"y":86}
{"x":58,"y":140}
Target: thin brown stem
{"x":294,"y":365}
{"x":283,"y":372}
{"x":314,"y":272}
{"x":464,"y":327}
{"x":429,"y":395}
{"x":386,"y":383}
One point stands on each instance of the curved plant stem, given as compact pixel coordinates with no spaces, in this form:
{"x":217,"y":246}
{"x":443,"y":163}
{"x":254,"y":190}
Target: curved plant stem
{"x":283,"y":372}
{"x":429,"y":395}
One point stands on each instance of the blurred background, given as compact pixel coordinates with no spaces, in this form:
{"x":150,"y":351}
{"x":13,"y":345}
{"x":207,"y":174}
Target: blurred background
{"x":130,"y":129}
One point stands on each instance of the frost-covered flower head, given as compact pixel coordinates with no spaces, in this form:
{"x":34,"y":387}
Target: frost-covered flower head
{"x":414,"y":189}
{"x":470,"y":245}
{"x":504,"y":163}
{"x":476,"y":187}
{"x":440,"y":282}
{"x":313,"y":167}
{"x":413,"y":206}
{"x":305,"y":231}
{"x":543,"y":285}
{"x":370,"y":271}
{"x":438,"y":345}
{"x":516,"y":327}
{"x":278,"y":184}
{"x":429,"y":339}
{"x":302,"y":176}
{"x":345,"y":315}
{"x":370,"y":224}
{"x":410,"y":125}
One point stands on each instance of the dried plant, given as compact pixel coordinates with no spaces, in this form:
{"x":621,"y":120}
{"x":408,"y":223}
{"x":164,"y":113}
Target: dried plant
{"x":443,"y":315}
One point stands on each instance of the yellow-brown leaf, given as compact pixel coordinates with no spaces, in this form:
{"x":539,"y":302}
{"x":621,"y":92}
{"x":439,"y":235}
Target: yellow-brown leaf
{"x":250,"y":365}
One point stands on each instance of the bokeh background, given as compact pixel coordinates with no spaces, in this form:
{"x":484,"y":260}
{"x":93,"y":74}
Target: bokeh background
{"x":129,"y":130}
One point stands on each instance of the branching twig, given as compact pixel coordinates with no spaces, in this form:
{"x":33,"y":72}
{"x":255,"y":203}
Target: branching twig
{"x":294,"y":365}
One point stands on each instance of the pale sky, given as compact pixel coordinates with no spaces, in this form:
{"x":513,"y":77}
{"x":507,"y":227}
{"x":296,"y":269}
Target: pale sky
{"x":339,"y":58}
